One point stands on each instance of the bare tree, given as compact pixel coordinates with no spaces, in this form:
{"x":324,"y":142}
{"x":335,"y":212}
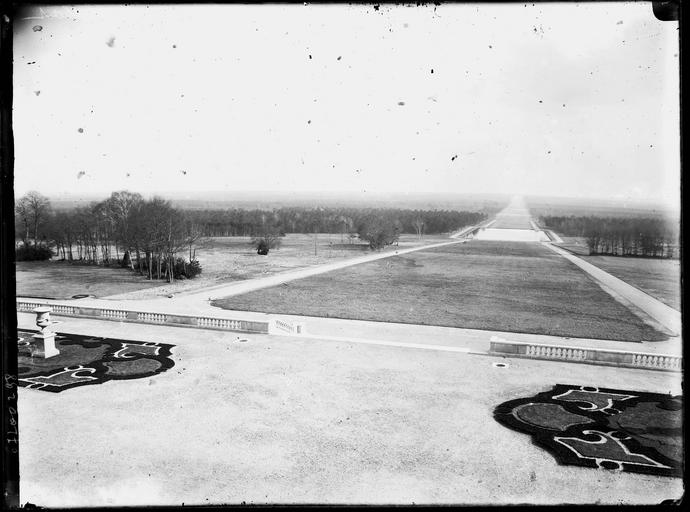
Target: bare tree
{"x":419,"y":226}
{"x":21,"y":211}
{"x":33,"y":208}
{"x":121,"y":206}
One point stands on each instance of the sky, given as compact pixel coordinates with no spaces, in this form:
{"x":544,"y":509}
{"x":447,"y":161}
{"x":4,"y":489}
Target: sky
{"x":575,"y":100}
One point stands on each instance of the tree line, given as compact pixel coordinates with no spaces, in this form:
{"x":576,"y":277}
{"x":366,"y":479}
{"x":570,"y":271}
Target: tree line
{"x":650,"y":237}
{"x":239,"y":222}
{"x":146,"y":235}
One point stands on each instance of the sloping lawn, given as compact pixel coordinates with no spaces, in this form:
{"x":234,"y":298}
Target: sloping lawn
{"x":504,"y":286}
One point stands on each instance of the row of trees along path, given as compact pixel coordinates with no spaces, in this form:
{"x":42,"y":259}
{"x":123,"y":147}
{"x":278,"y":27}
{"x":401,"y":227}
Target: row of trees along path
{"x":650,"y":237}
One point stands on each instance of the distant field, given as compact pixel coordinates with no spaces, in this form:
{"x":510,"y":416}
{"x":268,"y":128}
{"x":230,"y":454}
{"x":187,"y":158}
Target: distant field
{"x":599,"y":208}
{"x":504,"y":286}
{"x":223,"y":259}
{"x":658,"y":278}
{"x":234,"y":258}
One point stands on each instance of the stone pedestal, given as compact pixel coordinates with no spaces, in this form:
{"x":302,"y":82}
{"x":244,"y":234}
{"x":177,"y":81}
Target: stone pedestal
{"x":44,"y":341}
{"x":44,"y":345}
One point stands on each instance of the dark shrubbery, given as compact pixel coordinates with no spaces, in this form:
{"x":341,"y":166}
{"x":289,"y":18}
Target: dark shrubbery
{"x":265,"y":243}
{"x":33,"y":253}
{"x":262,"y":247}
{"x":181,"y":268}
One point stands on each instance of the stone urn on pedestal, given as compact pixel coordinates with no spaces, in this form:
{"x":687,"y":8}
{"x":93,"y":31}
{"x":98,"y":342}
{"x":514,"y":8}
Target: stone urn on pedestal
{"x":44,"y":341}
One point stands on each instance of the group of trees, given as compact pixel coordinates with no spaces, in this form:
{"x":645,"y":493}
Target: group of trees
{"x":145,"y":235}
{"x":238,"y":222}
{"x":651,"y":237}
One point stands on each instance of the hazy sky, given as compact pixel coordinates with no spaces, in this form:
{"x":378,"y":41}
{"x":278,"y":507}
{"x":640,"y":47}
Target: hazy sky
{"x":557,"y":99}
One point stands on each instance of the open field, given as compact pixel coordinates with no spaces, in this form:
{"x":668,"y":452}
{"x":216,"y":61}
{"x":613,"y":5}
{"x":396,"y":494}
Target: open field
{"x":658,"y":278}
{"x":288,"y":420}
{"x":544,"y":206}
{"x":61,"y":280}
{"x":506,"y":286}
{"x":232,"y":258}
{"x":223,"y":259}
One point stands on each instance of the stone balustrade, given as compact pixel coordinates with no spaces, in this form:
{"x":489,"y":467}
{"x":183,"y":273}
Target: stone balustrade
{"x":123,"y":315}
{"x":628,"y":359}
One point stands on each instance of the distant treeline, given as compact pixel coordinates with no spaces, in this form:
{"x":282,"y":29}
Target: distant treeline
{"x":239,"y":222}
{"x":651,"y":237}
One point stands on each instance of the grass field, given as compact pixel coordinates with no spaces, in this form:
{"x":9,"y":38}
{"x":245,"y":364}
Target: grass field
{"x":61,"y":280}
{"x":232,"y":258}
{"x":658,"y":278}
{"x":223,"y":259}
{"x":504,"y":286}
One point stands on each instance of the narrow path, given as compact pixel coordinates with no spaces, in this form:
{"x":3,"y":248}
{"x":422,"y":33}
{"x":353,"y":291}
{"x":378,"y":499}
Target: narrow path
{"x":660,"y":312}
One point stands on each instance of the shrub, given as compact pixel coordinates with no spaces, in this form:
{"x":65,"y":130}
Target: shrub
{"x":265,"y":243}
{"x":182,"y":269}
{"x":33,"y":253}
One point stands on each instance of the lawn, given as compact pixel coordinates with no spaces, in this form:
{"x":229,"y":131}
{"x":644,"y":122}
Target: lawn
{"x":233,"y":258}
{"x":62,"y":280}
{"x":658,"y":278}
{"x":223,"y":260}
{"x":503,"y":286}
